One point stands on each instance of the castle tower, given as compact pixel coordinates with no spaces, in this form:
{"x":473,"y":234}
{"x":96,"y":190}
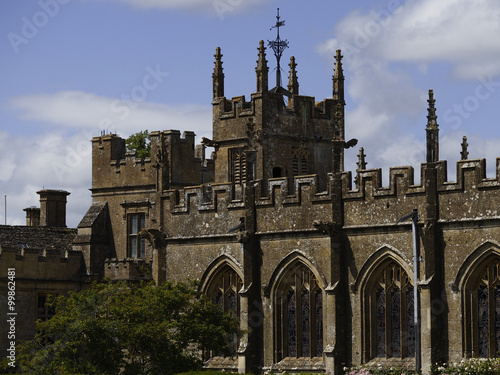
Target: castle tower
{"x":264,"y":138}
{"x":432,"y":131}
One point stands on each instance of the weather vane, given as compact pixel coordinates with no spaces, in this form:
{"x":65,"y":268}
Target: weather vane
{"x":278,"y":46}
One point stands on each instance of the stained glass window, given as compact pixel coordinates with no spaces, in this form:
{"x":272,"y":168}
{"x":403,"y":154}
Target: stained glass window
{"x":292,"y":328}
{"x":396,"y":322}
{"x":487,"y":326}
{"x":300,"y":315}
{"x":223,"y":291}
{"x":319,"y":323}
{"x":483,"y":322}
{"x":410,"y":323}
{"x":393,"y":325}
{"x":306,"y":327}
{"x":497,"y":319}
{"x":380,"y":328}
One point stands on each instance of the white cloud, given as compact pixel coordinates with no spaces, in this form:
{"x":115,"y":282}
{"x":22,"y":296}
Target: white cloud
{"x":90,"y":112}
{"x":386,"y":49}
{"x":60,"y":158}
{"x":462,"y":32}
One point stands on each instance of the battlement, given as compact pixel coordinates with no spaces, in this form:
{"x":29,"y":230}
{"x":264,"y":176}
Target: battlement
{"x":42,"y":263}
{"x":131,"y":269}
{"x":471,"y":174}
{"x":232,"y":118}
{"x":471,"y":197}
{"x":227,"y":196}
{"x":300,"y":200}
{"x":173,"y":162}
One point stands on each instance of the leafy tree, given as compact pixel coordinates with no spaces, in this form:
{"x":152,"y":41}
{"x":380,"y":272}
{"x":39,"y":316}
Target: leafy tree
{"x":140,"y":142}
{"x":115,"y":328}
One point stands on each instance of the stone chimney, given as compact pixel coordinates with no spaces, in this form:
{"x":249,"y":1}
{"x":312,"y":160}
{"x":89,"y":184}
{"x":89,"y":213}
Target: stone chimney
{"x":53,"y":208}
{"x":32,"y":216}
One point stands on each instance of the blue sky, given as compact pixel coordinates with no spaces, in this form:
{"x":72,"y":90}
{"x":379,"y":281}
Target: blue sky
{"x":72,"y":68}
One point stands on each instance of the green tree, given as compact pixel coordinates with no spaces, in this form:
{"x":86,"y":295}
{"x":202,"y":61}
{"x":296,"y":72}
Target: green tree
{"x":115,"y":328}
{"x":139,"y":142}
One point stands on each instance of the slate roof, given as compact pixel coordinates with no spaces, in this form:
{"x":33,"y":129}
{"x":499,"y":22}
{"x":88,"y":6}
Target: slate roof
{"x":50,"y":238}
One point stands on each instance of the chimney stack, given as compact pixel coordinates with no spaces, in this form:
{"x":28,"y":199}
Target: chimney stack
{"x":53,"y":207}
{"x":32,"y":216}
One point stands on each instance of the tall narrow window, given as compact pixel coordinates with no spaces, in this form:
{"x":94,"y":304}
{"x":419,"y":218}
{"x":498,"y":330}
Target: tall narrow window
{"x":223,"y":291}
{"x":487,"y":297}
{"x":238,"y":166}
{"x":300,"y":315}
{"x":300,"y":162}
{"x":392,"y":325}
{"x":136,"y":245}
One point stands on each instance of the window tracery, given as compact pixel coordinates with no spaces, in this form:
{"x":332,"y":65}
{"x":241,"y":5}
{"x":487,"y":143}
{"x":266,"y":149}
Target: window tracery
{"x":223,"y":290}
{"x":391,"y":316}
{"x":485,"y":297}
{"x":300,"y":315}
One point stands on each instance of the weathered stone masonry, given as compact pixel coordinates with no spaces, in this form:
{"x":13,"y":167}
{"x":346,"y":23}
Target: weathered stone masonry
{"x":309,"y":256}
{"x":277,"y":173}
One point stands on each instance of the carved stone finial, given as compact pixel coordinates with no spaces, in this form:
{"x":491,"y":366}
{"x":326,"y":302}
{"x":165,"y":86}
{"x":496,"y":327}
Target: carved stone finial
{"x":431,"y":112}
{"x":361,"y":164}
{"x":432,"y":131}
{"x":464,"y":154}
{"x":361,"y":159}
{"x":339,"y":72}
{"x":293,"y":82}
{"x":218,"y":76}
{"x":262,"y":69}
{"x":338,"y":79}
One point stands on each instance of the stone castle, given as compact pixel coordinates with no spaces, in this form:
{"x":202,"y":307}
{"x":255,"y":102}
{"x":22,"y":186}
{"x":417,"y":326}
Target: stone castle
{"x":312,"y":259}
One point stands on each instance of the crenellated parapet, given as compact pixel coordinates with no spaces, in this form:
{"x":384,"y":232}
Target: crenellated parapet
{"x":227,"y":196}
{"x":130,"y":269}
{"x":282,"y":191}
{"x":42,"y":263}
{"x":472,"y":196}
{"x":174,"y":162}
{"x":113,"y":165}
{"x":213,"y":209}
{"x":369,"y":183}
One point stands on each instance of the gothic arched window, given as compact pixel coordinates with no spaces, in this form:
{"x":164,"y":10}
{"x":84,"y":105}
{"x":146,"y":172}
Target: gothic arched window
{"x":391,"y":314}
{"x":223,"y":290}
{"x":299,"y":314}
{"x":485,"y":298}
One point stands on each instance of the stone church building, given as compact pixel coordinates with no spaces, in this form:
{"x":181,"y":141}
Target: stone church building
{"x":314,"y":260}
